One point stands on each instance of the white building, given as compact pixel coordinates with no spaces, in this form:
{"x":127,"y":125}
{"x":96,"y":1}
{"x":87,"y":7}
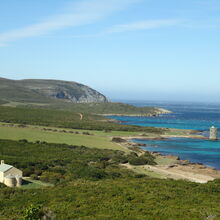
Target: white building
{"x":213,"y":133}
{"x":10,"y":175}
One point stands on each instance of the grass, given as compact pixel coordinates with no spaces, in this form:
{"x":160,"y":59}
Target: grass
{"x":165,"y":160}
{"x":95,"y":132}
{"x":29,"y":183}
{"x":104,"y":108}
{"x":35,"y":134}
{"x":15,"y":104}
{"x":142,"y":170}
{"x":178,"y":132}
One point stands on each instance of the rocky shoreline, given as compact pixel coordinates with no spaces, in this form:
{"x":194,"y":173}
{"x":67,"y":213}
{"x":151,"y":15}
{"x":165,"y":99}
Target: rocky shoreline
{"x":170,"y":166}
{"x":156,"y":113}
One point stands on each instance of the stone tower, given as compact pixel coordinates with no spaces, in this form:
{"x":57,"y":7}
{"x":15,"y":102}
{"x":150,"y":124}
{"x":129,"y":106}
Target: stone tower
{"x":213,"y":133}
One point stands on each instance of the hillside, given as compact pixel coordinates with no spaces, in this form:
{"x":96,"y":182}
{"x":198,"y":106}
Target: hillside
{"x":67,"y":96}
{"x":65,"y":119}
{"x":47,"y":91}
{"x":108,"y":108}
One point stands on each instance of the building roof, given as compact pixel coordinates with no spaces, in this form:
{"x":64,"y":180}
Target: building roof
{"x":5,"y":167}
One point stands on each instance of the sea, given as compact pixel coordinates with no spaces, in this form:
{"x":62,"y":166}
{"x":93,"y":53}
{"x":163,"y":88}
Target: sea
{"x":186,"y":115}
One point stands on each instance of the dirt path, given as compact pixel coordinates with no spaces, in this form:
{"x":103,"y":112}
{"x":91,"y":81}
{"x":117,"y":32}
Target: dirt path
{"x":164,"y":136}
{"x":81,"y":116}
{"x":175,"y":173}
{"x":179,"y":174}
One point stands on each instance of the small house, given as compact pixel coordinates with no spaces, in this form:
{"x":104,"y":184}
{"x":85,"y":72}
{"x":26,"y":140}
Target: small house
{"x":9,"y":175}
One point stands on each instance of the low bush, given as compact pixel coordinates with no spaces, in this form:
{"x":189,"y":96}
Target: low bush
{"x":66,"y":119}
{"x":2,"y":185}
{"x":34,"y":177}
{"x":144,"y":159}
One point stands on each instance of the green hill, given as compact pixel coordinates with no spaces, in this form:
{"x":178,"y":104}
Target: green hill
{"x":47,"y":91}
{"x":63,"y":95}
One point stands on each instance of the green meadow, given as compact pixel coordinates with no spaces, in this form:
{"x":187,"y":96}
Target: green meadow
{"x":96,"y":139}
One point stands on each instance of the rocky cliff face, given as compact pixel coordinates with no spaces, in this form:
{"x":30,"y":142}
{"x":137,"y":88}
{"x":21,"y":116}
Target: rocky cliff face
{"x":70,"y":91}
{"x":54,"y":89}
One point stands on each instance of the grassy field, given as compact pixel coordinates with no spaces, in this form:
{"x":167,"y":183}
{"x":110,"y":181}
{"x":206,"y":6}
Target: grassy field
{"x":98,"y":140}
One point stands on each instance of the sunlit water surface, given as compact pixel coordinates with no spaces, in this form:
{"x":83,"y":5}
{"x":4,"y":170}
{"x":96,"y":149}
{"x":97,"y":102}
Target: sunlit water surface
{"x":199,"y":116}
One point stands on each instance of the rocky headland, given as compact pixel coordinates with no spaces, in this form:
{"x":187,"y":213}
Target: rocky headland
{"x":37,"y":90}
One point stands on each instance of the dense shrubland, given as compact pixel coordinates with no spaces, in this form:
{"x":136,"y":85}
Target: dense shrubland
{"x":144,"y":159}
{"x":120,"y":198}
{"x":90,"y":184}
{"x":65,"y":119}
{"x":104,"y":108}
{"x":57,"y":163}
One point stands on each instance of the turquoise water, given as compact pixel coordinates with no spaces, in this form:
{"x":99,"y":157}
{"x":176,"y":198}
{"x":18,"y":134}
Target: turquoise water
{"x":185,"y":116}
{"x":198,"y":151}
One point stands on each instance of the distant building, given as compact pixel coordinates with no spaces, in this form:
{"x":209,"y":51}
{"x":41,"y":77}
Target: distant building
{"x":9,"y":175}
{"x":213,"y":133}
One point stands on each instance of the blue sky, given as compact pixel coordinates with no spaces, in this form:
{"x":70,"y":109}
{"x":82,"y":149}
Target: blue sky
{"x":127,"y":49}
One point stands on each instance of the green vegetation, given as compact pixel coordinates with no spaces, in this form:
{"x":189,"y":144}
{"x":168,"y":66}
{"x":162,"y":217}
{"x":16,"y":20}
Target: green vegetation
{"x":60,"y":136}
{"x":30,"y":183}
{"x":141,"y":171}
{"x":33,"y":213}
{"x":65,"y":180}
{"x":62,"y":95}
{"x":45,"y":91}
{"x":2,"y":186}
{"x":104,"y":108}
{"x":65,"y":119}
{"x":11,"y":91}
{"x":55,"y":163}
{"x":90,"y":184}
{"x":144,"y":159}
{"x":2,"y":102}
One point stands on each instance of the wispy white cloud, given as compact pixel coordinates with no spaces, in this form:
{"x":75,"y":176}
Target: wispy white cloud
{"x":134,"y":26}
{"x":81,"y":13}
{"x":203,"y":24}
{"x":143,"y":25}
